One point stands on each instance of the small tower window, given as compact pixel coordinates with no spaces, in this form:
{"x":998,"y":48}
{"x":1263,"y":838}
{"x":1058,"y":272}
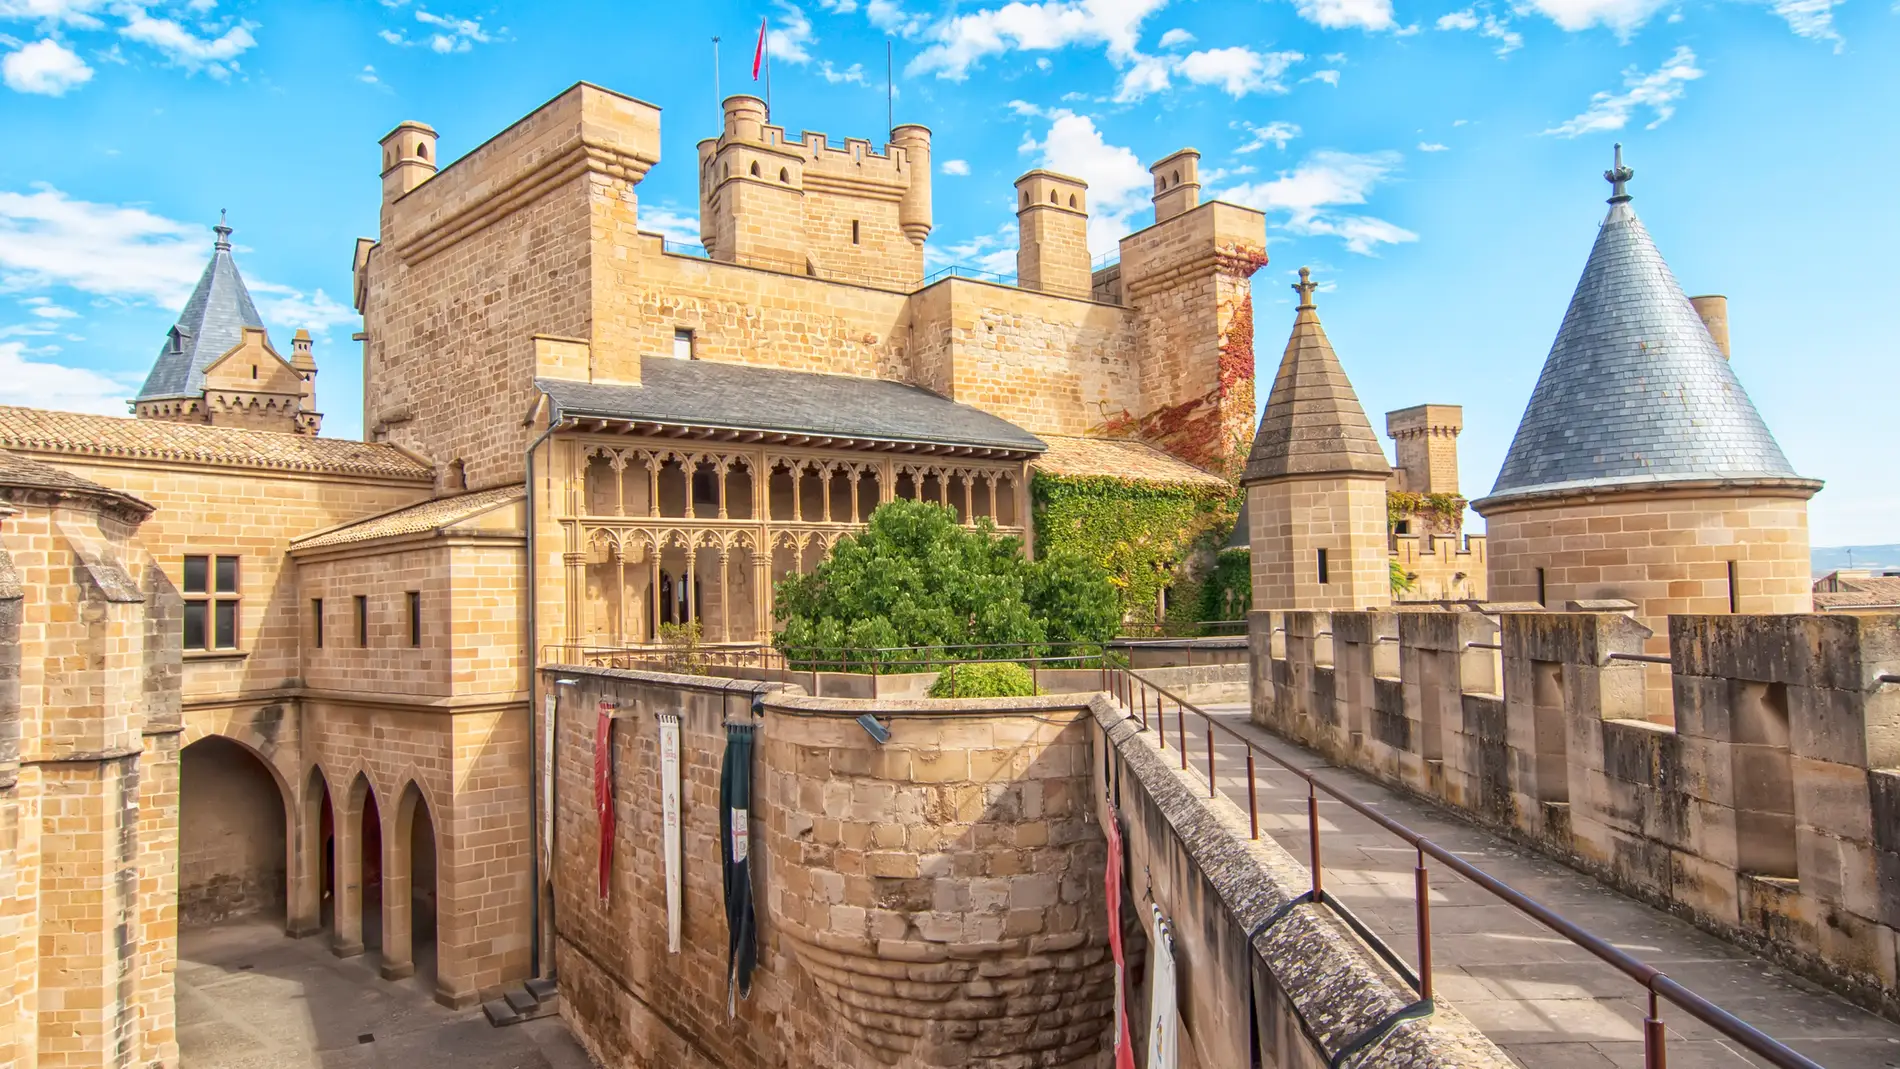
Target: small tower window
{"x":854,"y":231}
{"x":784,"y":176}
{"x":1071,"y":200}
{"x":755,"y":170}
{"x":422,"y":150}
{"x":1025,"y":198}
{"x":253,"y":370}
{"x":1176,"y":177}
{"x":1324,"y":577}
{"x":1052,"y":196}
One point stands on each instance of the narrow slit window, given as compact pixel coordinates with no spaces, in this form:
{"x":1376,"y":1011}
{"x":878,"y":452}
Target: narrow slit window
{"x":1734,"y":595}
{"x":854,"y":231}
{"x":1543,"y":598}
{"x":415,"y":617}
{"x":362,"y":621}
{"x":1324,"y":578}
{"x":316,"y":622}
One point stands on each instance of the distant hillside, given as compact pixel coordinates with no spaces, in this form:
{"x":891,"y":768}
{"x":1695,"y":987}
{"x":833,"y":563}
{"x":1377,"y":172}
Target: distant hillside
{"x":1829,"y":558}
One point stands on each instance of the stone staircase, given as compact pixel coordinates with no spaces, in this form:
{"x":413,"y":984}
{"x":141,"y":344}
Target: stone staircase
{"x":536,"y":998}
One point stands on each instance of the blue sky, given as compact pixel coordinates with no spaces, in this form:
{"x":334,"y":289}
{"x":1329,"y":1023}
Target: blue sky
{"x":1436,"y":162}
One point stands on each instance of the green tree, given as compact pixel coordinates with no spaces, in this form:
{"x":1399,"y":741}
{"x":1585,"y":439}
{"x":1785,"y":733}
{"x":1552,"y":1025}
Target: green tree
{"x":915,"y":578}
{"x":1402,"y":581}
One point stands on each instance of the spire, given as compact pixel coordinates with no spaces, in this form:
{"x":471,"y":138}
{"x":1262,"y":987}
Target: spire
{"x":1313,"y":424}
{"x":1634,"y":391}
{"x":210,"y":325}
{"x":1619,"y":176}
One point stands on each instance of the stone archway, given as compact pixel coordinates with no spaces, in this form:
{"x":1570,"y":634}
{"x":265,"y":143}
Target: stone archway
{"x":232,"y":849}
{"x":409,"y":889}
{"x":358,"y":866}
{"x":313,"y":885}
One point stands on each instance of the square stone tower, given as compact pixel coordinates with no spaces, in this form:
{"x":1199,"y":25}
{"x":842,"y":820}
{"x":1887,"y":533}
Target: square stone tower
{"x":1052,"y":223}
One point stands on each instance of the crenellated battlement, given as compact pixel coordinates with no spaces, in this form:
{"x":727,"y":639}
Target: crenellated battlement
{"x":1759,"y":795}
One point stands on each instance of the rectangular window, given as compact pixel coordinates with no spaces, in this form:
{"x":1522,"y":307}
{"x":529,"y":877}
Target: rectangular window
{"x":854,"y":231}
{"x":1323,"y":577}
{"x":1542,"y":598}
{"x":316,"y":622}
{"x":362,"y":621}
{"x":211,"y":602}
{"x":1734,"y":595}
{"x":682,"y":344}
{"x":415,"y":617}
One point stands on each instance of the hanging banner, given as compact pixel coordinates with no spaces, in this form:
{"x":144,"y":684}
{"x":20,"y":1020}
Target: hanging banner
{"x":1124,"y":1047}
{"x":670,"y":822}
{"x":547,"y":788}
{"x":735,"y":805}
{"x":604,"y":788}
{"x":1164,"y":1023}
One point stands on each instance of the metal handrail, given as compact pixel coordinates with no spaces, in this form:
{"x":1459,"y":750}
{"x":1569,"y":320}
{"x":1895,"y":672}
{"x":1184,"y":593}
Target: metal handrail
{"x":683,"y":248}
{"x":1133,"y":691}
{"x":1035,"y":656}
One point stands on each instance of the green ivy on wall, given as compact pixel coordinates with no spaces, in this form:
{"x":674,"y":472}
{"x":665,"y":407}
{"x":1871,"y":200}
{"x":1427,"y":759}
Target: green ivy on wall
{"x":1448,"y":509}
{"x":1139,"y":532}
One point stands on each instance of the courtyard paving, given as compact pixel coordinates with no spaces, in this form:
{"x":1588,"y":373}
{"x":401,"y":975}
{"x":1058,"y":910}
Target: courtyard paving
{"x":249,"y":998}
{"x":1547,"y":1002}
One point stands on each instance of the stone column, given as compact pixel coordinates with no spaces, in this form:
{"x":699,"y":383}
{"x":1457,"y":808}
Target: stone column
{"x":618,"y":465}
{"x":857,"y":476}
{"x":725,"y":597}
{"x":689,"y":588}
{"x":762,"y":598}
{"x":398,"y":910}
{"x":652,"y":463}
{"x":348,"y":862}
{"x":824,"y":490}
{"x":724,"y":469}
{"x":305,"y":914}
{"x":798,"y":495}
{"x":990,"y":481}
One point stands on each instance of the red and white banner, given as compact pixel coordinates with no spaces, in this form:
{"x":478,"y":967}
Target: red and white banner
{"x":604,"y":789}
{"x":1124,"y":1047}
{"x":758,"y":54}
{"x":670,"y":822}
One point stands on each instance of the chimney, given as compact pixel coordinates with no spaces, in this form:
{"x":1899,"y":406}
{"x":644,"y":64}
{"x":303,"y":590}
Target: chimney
{"x":1713,"y":308}
{"x":1177,"y":184}
{"x":1052,"y":223}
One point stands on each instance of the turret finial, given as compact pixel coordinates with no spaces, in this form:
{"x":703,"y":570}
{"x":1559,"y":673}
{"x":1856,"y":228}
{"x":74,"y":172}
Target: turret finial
{"x":1618,"y":177}
{"x":1305,"y":288}
{"x":223,"y":232}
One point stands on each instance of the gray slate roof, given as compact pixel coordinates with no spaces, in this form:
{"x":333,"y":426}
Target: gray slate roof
{"x":211,"y":324}
{"x":1634,"y":391}
{"x":705,"y":393}
{"x":1313,"y":423}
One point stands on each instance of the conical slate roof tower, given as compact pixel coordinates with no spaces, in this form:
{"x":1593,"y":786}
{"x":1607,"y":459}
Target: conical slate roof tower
{"x":1641,"y":471}
{"x":1635,"y":390}
{"x":1316,"y":483}
{"x":211,"y":324}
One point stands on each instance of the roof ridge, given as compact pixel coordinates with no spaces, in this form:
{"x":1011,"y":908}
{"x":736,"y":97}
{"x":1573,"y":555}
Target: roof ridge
{"x":92,"y":435}
{"x":1313,"y":423}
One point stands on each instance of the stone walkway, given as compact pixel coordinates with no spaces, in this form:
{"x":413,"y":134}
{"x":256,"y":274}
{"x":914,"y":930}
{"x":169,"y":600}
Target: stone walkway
{"x":1549,"y":1003}
{"x":249,"y":998}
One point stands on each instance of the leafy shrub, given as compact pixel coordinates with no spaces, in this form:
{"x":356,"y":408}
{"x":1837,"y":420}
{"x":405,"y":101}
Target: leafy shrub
{"x":915,"y":578}
{"x":993,"y":679}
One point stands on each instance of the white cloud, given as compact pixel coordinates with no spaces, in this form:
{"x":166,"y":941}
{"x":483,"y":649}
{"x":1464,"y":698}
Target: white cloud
{"x":1329,"y":77}
{"x":1176,"y":36}
{"x":853,"y":73}
{"x":1623,"y":16}
{"x":1344,"y":14}
{"x":447,"y":33}
{"x":839,"y":7}
{"x":1275,"y":133}
{"x":1238,"y":71}
{"x":1460,"y":122}
{"x":960,"y":168}
{"x":46,"y":309}
{"x":369,"y":76}
{"x":1309,"y":194}
{"x":1658,"y":91}
{"x":78,"y":13}
{"x":961,"y":41}
{"x":1148,"y":74}
{"x":66,"y":389}
{"x":1813,"y":19}
{"x":1487,"y":25}
{"x":216,"y":56}
{"x":890,"y":16}
{"x":1432,"y":146}
{"x":1336,"y":58}
{"x":670,"y":222}
{"x":789,"y":35}
{"x":45,"y":67}
{"x":1027,"y":110}
{"x":994,"y":251}
{"x":291,"y":308}
{"x":1118,"y":183}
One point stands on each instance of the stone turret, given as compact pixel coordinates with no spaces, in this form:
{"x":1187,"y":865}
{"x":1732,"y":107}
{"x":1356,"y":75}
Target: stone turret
{"x":1316,"y":481}
{"x":1052,"y":223}
{"x":1177,"y":184}
{"x":408,"y":158}
{"x":1641,"y":470}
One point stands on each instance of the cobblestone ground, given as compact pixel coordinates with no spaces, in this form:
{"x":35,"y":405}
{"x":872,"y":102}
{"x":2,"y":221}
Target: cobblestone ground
{"x":1547,"y":1002}
{"x":249,"y":998}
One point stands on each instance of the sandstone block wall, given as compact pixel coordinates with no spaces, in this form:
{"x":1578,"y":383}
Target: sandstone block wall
{"x":231,"y":852}
{"x":934,"y":901}
{"x":1293,"y":520}
{"x":1756,"y":799}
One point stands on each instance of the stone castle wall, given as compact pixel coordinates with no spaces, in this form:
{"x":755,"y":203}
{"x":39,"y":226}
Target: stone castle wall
{"x":935,"y":901}
{"x":1292,"y":520}
{"x":1758,"y":800}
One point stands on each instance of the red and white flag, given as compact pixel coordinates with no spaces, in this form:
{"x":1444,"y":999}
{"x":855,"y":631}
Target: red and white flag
{"x":758,"y":54}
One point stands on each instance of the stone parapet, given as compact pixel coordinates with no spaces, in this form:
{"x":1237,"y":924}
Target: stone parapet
{"x":1758,"y":797}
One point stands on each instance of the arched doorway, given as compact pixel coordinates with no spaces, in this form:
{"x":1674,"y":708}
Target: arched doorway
{"x":409,"y":891}
{"x":231,"y":841}
{"x":370,"y":836}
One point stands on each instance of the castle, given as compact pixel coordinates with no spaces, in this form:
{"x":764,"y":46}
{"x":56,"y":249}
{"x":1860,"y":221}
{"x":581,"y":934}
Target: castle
{"x":579,"y":434}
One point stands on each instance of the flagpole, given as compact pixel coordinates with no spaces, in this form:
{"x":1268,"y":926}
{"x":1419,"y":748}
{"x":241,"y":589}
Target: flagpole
{"x":890,"y":92}
{"x":719,"y":106}
{"x":768,"y":79}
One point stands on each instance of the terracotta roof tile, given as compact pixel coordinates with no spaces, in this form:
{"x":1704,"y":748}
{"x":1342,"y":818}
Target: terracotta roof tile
{"x":37,"y":430}
{"x":1123,"y":459}
{"x":414,"y":519}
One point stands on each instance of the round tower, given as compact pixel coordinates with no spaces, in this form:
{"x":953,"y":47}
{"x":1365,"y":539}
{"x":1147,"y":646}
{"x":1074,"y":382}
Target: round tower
{"x":913,"y":211}
{"x":1641,"y":470}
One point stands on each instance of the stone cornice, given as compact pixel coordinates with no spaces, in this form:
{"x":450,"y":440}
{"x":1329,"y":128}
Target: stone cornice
{"x":1645,"y":490}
